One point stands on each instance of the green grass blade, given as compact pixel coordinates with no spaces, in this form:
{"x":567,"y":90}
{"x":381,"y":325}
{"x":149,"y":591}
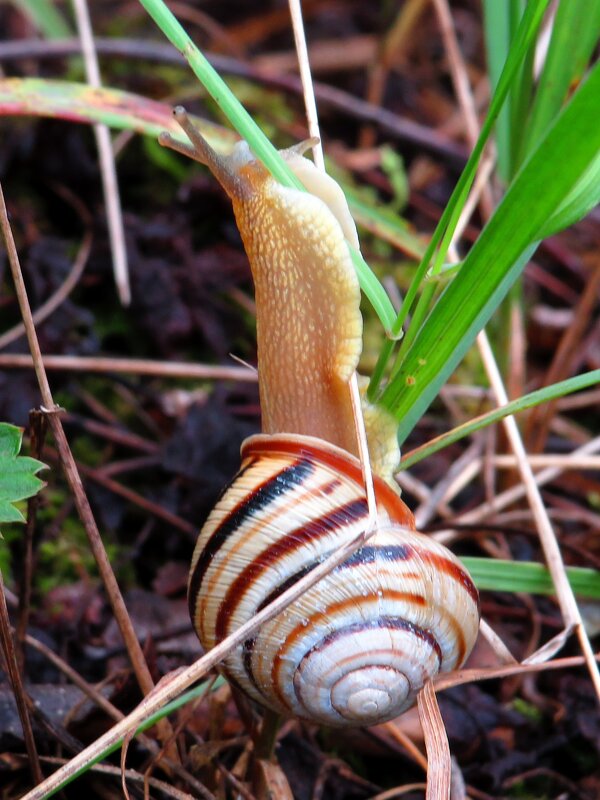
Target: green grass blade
{"x":447,"y":224}
{"x":497,"y":32}
{"x":260,"y":145}
{"x":126,"y":111}
{"x":498,"y":256}
{"x":530,"y":400}
{"x":521,"y":100}
{"x":574,"y":36}
{"x":187,"y":697}
{"x":580,"y":201}
{"x":46,"y":18}
{"x":526,"y":576}
{"x":385,"y":225}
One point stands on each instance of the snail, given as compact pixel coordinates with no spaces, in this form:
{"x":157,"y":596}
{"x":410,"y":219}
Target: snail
{"x":357,"y":647}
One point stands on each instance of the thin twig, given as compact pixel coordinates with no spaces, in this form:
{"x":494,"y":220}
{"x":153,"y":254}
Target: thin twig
{"x":70,"y":468}
{"x":515,"y":493}
{"x":392,"y":48}
{"x":102,"y":702}
{"x":462,"y":88}
{"x":447,"y":486}
{"x":135,"y":366}
{"x":344,"y":102}
{"x":64,"y":290}
{"x":190,"y":675}
{"x":110,"y":186}
{"x":14,"y":675}
{"x":539,"y":419}
{"x":439,"y":764}
{"x":133,"y":775}
{"x":130,"y":495}
{"x":564,"y":592}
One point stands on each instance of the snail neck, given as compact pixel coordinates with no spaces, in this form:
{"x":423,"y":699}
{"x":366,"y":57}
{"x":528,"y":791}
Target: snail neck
{"x":309,"y":328}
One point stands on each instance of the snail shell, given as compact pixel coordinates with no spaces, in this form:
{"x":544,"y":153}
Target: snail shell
{"x":357,"y":647}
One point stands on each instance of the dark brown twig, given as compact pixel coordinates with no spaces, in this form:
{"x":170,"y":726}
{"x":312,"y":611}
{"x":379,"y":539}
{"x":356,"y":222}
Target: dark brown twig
{"x":540,"y":418}
{"x":14,"y":674}
{"x":128,"y":494}
{"x":50,"y":305}
{"x":38,"y":425}
{"x":136,"y":366}
{"x":349,"y":105}
{"x":70,"y":468}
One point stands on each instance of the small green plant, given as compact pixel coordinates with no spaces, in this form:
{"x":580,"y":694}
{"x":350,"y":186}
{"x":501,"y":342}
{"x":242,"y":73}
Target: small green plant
{"x":18,"y":474}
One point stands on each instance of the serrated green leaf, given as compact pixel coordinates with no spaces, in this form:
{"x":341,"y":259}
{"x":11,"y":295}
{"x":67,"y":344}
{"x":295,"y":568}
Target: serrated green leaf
{"x":17,"y":473}
{"x":10,"y":439}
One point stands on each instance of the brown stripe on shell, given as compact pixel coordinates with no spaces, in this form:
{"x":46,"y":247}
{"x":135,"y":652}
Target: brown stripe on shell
{"x":293,"y":540}
{"x":339,"y":608}
{"x":260,"y":497}
{"x":366,"y":554}
{"x":247,"y":652}
{"x":383,"y":622}
{"x":341,"y":462}
{"x":453,"y":570}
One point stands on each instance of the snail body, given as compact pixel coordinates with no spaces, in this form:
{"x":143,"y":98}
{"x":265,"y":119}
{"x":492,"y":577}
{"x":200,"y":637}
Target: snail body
{"x":357,"y":647}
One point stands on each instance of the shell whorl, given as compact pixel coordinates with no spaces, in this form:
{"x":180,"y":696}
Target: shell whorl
{"x":357,"y":647}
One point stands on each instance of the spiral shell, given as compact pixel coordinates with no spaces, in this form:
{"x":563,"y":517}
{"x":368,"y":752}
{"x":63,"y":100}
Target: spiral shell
{"x":357,"y":647}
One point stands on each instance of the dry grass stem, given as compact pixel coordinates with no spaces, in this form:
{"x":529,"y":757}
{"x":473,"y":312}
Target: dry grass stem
{"x":564,"y":592}
{"x":460,"y":473}
{"x":399,"y":791}
{"x":512,"y":495}
{"x":580,"y":400}
{"x":133,"y":366}
{"x":413,"y":485}
{"x":439,"y":763}
{"x":310,"y":103}
{"x":114,"y":215}
{"x":70,"y":468}
{"x":560,"y":461}
{"x":164,"y":694}
{"x":464,"y":95}
{"x":461,"y":676}
{"x":132,"y":775}
{"x":64,"y":290}
{"x":11,"y":667}
{"x":496,"y":643}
